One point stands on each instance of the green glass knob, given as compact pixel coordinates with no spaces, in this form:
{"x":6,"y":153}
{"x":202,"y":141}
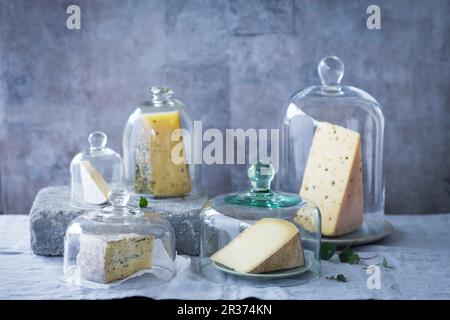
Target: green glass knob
{"x":261,"y":175}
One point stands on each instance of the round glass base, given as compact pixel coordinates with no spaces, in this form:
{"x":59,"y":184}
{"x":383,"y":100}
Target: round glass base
{"x":286,"y":278}
{"x":134,"y":200}
{"x":369,"y":232}
{"x":87,"y":206}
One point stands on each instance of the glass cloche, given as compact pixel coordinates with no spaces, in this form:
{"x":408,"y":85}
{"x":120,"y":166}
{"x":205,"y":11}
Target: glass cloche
{"x":332,"y":153}
{"x":157,"y":149}
{"x":95,"y":172}
{"x":259,"y":237}
{"x":113,"y":243}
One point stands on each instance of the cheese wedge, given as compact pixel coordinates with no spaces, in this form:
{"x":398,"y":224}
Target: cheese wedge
{"x":307,"y":219}
{"x":95,"y":188}
{"x":333,"y":178}
{"x":268,"y":245}
{"x":108,"y":258}
{"x":156,"y":172}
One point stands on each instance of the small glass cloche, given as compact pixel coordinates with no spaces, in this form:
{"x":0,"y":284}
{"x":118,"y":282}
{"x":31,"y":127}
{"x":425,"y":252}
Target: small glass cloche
{"x":332,"y":153}
{"x":157,"y":149}
{"x":259,"y":237}
{"x":95,"y":172}
{"x":114,"y":243}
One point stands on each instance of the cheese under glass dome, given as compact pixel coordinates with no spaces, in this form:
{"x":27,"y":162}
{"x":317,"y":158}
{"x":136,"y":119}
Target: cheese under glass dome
{"x":157,"y":149}
{"x":332,"y":154}
{"x":109,"y":245}
{"x":95,"y":172}
{"x":259,"y":237}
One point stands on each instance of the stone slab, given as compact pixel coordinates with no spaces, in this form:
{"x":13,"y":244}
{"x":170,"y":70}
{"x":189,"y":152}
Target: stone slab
{"x":50,"y":215}
{"x":52,"y":212}
{"x":184,"y":216}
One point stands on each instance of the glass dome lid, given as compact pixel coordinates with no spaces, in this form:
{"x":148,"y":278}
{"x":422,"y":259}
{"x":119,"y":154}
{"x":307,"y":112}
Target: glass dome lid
{"x":115,"y":243}
{"x":157,"y":149}
{"x":95,"y":172}
{"x":260,"y":237}
{"x":332,"y":153}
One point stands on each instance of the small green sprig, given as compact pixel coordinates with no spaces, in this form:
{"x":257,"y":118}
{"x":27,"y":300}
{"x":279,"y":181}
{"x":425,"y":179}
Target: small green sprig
{"x":143,"y":202}
{"x":327,"y":251}
{"x":349,"y":256}
{"x":340,"y":278}
{"x":383,"y":264}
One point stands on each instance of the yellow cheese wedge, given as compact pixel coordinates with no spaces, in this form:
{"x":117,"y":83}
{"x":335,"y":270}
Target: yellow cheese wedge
{"x":333,"y":178}
{"x":163,"y":177}
{"x":95,"y":188}
{"x":268,"y":245}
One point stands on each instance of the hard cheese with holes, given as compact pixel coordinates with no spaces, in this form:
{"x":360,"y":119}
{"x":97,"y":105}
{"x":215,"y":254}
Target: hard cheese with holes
{"x":156,"y":172}
{"x":333,"y":178}
{"x":268,"y":245}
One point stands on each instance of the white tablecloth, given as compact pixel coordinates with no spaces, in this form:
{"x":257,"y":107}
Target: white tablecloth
{"x":418,"y":250}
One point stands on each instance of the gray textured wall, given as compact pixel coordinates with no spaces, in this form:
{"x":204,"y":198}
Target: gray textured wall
{"x":234,"y":63}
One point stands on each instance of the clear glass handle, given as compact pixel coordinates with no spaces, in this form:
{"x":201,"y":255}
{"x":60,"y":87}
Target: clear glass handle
{"x":97,"y":140}
{"x":161,"y":95}
{"x":119,"y":198}
{"x":261,"y":175}
{"x":331,"y":72}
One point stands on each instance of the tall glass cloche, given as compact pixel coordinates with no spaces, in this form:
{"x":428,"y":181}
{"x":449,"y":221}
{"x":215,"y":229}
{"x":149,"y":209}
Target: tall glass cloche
{"x":259,"y":237}
{"x":95,"y":172}
{"x":114,"y":243}
{"x":332,"y":153}
{"x":157,"y":149}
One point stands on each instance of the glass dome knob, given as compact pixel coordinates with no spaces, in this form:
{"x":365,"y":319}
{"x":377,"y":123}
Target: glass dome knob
{"x":331,"y":71}
{"x":119,"y":198}
{"x":261,"y":175}
{"x":97,"y":140}
{"x":161,"y":94}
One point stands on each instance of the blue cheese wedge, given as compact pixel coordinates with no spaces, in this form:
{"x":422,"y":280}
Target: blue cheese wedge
{"x":106,"y":259}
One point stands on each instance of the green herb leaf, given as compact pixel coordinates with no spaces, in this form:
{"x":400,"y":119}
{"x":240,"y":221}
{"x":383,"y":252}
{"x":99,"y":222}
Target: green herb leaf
{"x":385,"y":263}
{"x":345,"y":255}
{"x":143,"y":202}
{"x":339,"y":277}
{"x":349,"y":256}
{"x":327,"y":250}
{"x":354,"y":259}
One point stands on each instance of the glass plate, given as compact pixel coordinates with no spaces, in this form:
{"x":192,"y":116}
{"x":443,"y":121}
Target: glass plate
{"x":269,"y":275}
{"x":360,"y":236}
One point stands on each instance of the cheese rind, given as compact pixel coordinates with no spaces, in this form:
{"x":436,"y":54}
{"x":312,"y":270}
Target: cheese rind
{"x":95,"y":188}
{"x":156,"y":172}
{"x":333,"y":178}
{"x":108,"y":258}
{"x":268,"y":245}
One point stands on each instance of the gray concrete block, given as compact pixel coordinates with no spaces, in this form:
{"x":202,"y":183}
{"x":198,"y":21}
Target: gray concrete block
{"x":184,"y":216}
{"x":50,"y":215}
{"x":52,"y":212}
